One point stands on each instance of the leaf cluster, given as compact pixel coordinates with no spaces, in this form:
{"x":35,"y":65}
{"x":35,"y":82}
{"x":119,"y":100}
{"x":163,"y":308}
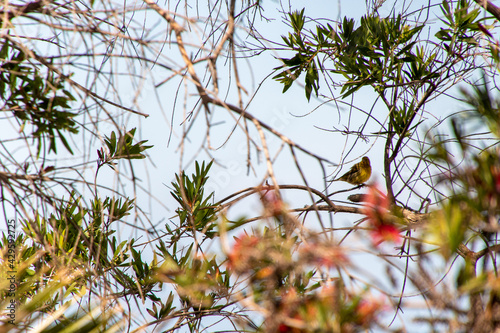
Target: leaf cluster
{"x":197,"y":211}
{"x":42,"y":102}
{"x":476,"y":198}
{"x":381,"y":52}
{"x":121,"y":148}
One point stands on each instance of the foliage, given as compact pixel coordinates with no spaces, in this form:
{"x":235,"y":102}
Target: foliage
{"x":123,"y":148}
{"x":195,"y":212}
{"x":35,"y":100}
{"x":92,"y":255}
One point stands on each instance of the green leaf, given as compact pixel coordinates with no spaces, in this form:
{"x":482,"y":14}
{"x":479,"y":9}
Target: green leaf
{"x":297,"y":20}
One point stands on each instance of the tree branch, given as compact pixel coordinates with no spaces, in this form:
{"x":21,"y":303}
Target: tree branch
{"x":12,"y":11}
{"x":490,"y":8}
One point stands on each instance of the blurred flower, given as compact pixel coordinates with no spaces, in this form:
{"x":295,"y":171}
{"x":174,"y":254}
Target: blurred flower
{"x":385,"y":232}
{"x":265,"y":272}
{"x":272,"y":202}
{"x":377,"y":210}
{"x":367,"y":310}
{"x":242,"y":251}
{"x":288,"y":308}
{"x":329,"y":309}
{"x":263,"y":257}
{"x":323,"y":254}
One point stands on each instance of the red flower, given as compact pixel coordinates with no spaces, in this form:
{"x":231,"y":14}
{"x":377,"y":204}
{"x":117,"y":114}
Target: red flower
{"x":385,"y":232}
{"x":377,"y":210}
{"x":495,"y":171}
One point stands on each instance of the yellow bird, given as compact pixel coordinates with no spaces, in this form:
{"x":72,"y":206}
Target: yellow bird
{"x":359,"y":173}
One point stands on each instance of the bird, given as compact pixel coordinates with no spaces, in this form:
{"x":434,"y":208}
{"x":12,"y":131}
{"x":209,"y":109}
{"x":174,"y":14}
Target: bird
{"x":359,"y":173}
